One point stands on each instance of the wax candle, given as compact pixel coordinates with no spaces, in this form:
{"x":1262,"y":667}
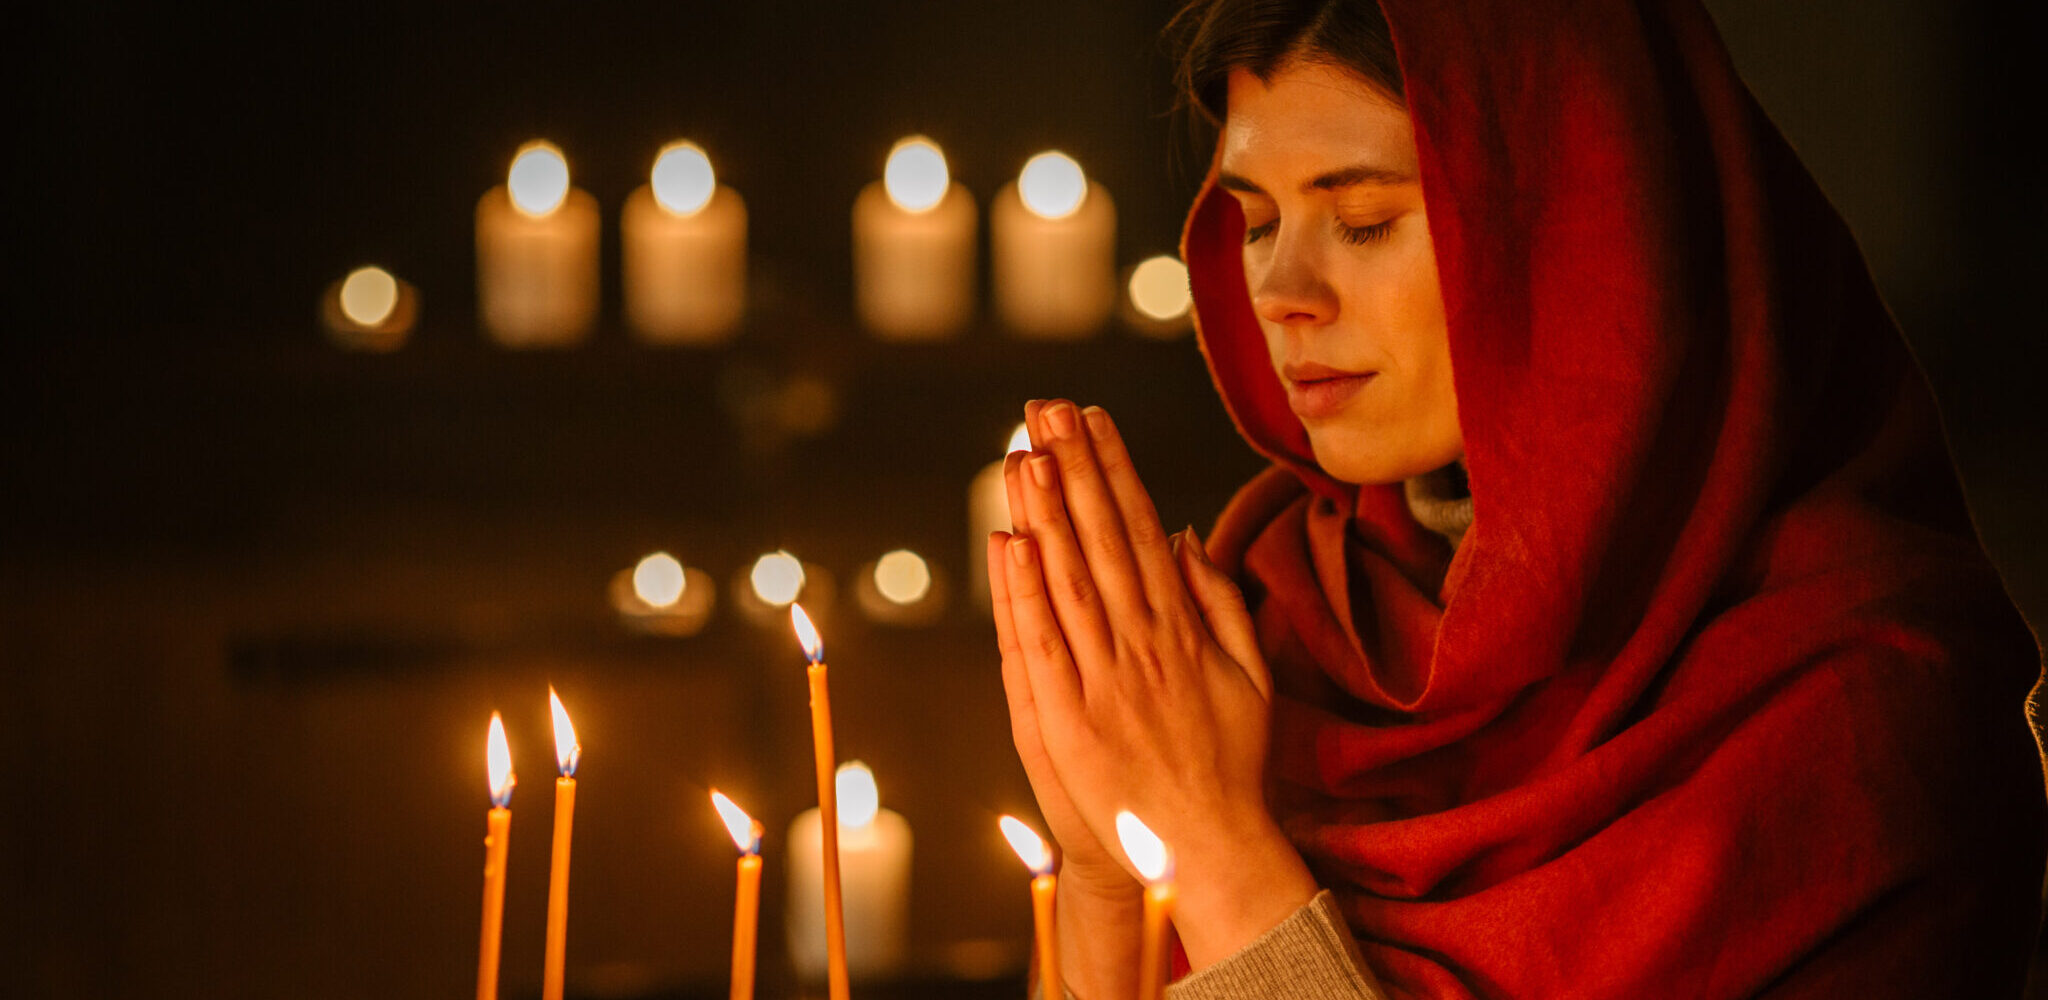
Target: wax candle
{"x":1053,"y":234}
{"x":370,"y":310}
{"x":567,"y":753}
{"x":874,"y":866}
{"x":684,"y":239}
{"x":988,"y":509}
{"x":1032,"y":851}
{"x":828,"y":840}
{"x":900,"y":588}
{"x":661,"y":596}
{"x":1154,"y":862}
{"x":746,"y":907}
{"x":536,"y":254}
{"x":1157,"y":298}
{"x":497,"y":836}
{"x":913,"y":247}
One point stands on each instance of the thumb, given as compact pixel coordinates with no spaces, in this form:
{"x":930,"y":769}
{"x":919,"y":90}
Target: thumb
{"x":1222,"y":606}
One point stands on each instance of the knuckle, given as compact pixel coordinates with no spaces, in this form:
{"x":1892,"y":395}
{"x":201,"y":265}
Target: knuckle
{"x":1049,"y":644}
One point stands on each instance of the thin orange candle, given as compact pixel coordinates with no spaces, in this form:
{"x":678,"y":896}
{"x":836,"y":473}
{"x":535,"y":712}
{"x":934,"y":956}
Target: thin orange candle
{"x":746,"y":907}
{"x":1032,"y":851}
{"x":567,"y":754}
{"x":828,"y":802}
{"x":497,"y":834}
{"x":1155,"y":865}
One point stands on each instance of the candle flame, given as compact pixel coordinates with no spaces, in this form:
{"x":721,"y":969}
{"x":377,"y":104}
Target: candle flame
{"x":903,"y":577}
{"x":539,"y":179}
{"x":1052,"y":185}
{"x":658,"y":580}
{"x":1159,"y":288}
{"x":1030,"y":847}
{"x":807,"y":634}
{"x":567,"y":751}
{"x":746,"y":834}
{"x":1147,"y":852}
{"x":682,"y":178}
{"x":859,"y":800}
{"x":498,"y":762}
{"x":916,"y":177}
{"x":368,"y":295}
{"x":1020,"y":439}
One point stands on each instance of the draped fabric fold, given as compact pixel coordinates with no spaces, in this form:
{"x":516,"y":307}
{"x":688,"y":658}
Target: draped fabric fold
{"x":1718,"y":696}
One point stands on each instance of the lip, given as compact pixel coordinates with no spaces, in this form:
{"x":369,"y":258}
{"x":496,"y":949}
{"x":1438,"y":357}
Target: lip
{"x":1317,"y":390}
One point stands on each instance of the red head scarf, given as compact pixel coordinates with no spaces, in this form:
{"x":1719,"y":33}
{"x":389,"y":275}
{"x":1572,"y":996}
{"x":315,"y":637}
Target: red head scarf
{"x":1719,"y":697}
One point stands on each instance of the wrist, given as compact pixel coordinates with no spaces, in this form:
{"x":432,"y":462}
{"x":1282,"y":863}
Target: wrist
{"x":1236,"y":887}
{"x":1098,"y":936}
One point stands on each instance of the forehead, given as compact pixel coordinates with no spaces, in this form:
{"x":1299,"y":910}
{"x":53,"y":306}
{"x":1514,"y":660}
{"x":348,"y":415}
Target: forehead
{"x":1311,"y":117}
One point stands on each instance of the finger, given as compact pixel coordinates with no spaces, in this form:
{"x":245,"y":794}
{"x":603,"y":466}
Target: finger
{"x":1016,"y":679}
{"x":1148,"y":539}
{"x":1222,"y":606}
{"x":1098,"y":525}
{"x":1056,"y":684}
{"x":1032,"y":426}
{"x":1075,"y":596}
{"x":1013,"y":485}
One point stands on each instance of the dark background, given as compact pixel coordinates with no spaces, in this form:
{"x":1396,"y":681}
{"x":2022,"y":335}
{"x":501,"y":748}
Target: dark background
{"x":260,"y":595}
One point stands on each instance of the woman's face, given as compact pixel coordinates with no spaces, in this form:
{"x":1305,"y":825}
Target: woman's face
{"x":1341,"y":270}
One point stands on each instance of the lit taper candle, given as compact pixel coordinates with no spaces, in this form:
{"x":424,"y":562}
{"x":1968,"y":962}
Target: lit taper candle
{"x":498,"y":833}
{"x":1155,"y":865}
{"x":567,"y":753}
{"x":1032,"y":851}
{"x":746,"y":907}
{"x":828,"y":801}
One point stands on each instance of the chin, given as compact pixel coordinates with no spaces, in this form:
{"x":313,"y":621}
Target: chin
{"x":1365,"y":459}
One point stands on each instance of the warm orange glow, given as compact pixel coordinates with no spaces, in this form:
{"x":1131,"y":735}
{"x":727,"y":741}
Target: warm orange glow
{"x":859,"y":800}
{"x":539,"y":178}
{"x":902,"y":577}
{"x":498,"y":762}
{"x":682,"y":179}
{"x":778,"y":578}
{"x":807,"y":634}
{"x":1030,"y":847}
{"x":567,"y":750}
{"x":746,"y":834}
{"x":658,"y":580}
{"x":368,"y":295}
{"x":1147,"y":852}
{"x":1159,"y":288}
{"x":916,"y":177}
{"x":1052,"y":185}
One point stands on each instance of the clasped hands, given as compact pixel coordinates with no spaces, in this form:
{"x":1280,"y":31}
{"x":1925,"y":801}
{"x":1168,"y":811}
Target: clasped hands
{"x":1135,"y":683}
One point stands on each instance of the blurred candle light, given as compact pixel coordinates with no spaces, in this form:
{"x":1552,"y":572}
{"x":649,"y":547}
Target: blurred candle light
{"x":746,"y":910}
{"x":1053,"y":234}
{"x":827,"y":883}
{"x":874,"y":866}
{"x":1158,"y":299}
{"x":536,"y":254}
{"x":660,"y":595}
{"x":497,"y":837}
{"x":369,"y":310}
{"x":778,"y":578}
{"x":900,"y":588}
{"x":684,"y":257}
{"x":988,"y":509}
{"x":1036,"y":856}
{"x":914,"y":247}
{"x":1154,"y":862}
{"x":568,"y":753}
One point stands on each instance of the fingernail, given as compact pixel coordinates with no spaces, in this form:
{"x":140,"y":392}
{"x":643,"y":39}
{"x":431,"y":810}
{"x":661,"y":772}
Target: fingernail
{"x":1017,"y":553}
{"x":1041,"y":470}
{"x":1174,"y":544}
{"x":1098,"y":422}
{"x":1060,"y":417}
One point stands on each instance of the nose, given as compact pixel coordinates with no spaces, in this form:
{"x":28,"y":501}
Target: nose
{"x":1290,"y":289}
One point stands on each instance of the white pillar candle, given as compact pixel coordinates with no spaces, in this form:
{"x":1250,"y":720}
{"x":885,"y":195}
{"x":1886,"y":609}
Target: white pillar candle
{"x":684,"y":252}
{"x":370,"y":310}
{"x":1053,"y":234}
{"x":874,"y":873}
{"x":536,"y":254}
{"x":988,"y":509}
{"x":913,"y":247}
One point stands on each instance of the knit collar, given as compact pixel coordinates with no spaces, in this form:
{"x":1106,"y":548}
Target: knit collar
{"x":1441,"y":500}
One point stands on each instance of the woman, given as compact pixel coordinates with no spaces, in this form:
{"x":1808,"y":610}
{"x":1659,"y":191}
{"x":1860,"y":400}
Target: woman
{"x":1650,"y":655}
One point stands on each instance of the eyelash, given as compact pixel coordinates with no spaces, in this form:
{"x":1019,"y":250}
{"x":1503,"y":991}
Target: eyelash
{"x":1354,"y":235}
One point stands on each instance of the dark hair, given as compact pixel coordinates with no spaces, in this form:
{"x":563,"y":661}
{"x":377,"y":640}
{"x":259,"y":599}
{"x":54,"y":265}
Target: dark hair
{"x":1214,"y":37}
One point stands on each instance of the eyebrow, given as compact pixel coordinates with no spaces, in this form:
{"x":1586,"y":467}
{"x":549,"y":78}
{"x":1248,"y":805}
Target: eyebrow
{"x":1342,"y":177}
